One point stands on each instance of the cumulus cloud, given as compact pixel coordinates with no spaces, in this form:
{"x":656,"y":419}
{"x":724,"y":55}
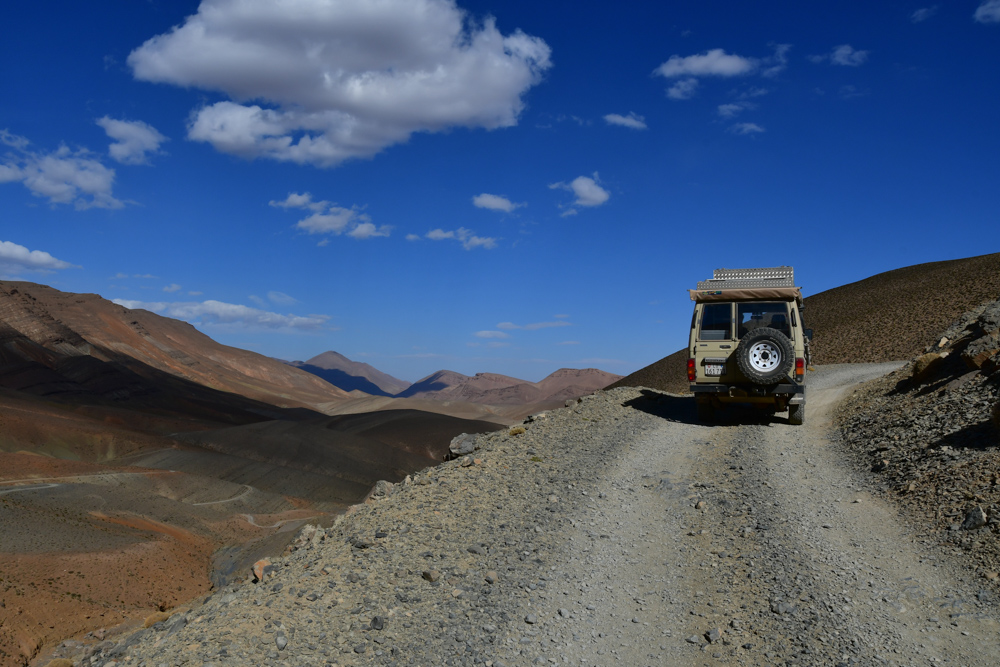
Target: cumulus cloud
{"x":16,"y":259}
{"x":587,"y":190}
{"x":134,"y":140}
{"x":328,"y":218}
{"x":746,"y":128}
{"x":715,"y":62}
{"x":494,"y":203}
{"x":464,"y":236}
{"x":988,"y":12}
{"x":318,"y":82}
{"x":845,"y":54}
{"x":632,"y":120}
{"x":173,"y":287}
{"x":367,"y":230}
{"x":923,"y":14}
{"x":687,"y":71}
{"x":230,"y":314}
{"x":63,"y":176}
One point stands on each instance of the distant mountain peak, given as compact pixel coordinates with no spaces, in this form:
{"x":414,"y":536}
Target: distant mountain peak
{"x":350,"y":375}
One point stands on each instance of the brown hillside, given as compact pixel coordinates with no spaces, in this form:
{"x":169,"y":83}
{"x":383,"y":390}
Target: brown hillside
{"x":890,"y":316}
{"x":57,"y":343}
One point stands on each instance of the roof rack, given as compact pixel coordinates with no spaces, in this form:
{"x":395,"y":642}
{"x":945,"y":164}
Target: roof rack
{"x":780,"y":276}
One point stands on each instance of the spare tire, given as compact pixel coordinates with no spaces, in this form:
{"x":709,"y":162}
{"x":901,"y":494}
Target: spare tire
{"x":765,"y":356}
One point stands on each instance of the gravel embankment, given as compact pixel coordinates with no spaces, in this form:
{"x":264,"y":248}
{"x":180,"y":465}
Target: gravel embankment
{"x":925,"y":434}
{"x":615,"y":531}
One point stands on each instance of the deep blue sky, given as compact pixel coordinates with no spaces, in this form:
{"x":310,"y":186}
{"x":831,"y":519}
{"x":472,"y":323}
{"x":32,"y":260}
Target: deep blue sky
{"x":420,"y":186}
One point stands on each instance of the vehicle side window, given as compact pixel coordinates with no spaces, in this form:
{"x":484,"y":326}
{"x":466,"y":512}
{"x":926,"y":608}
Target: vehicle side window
{"x":754,"y":315}
{"x":716,"y":322}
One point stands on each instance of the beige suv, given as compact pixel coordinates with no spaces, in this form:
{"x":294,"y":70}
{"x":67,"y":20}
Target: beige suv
{"x":748,"y":343}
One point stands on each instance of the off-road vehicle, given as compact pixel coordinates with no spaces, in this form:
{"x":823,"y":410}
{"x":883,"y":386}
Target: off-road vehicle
{"x":748,"y":342}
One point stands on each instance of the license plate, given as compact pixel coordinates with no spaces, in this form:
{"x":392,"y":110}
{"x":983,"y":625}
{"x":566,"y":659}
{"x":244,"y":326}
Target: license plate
{"x":715,"y":369}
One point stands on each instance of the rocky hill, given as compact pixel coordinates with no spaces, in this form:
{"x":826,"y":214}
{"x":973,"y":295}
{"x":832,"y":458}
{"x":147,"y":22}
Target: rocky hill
{"x":350,"y":375}
{"x":495,"y":389}
{"x":891,"y":316}
{"x":57,"y":343}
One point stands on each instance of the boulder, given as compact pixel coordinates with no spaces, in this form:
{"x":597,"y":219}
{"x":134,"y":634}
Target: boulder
{"x":925,"y":366}
{"x":982,"y":350}
{"x":996,"y":415}
{"x":974,"y":518}
{"x":382,"y":489}
{"x":990,"y":319}
{"x":462,"y":444}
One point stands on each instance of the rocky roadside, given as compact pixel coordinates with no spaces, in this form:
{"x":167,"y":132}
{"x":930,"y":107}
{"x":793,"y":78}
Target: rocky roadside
{"x":428,"y":572}
{"x":929,"y":434}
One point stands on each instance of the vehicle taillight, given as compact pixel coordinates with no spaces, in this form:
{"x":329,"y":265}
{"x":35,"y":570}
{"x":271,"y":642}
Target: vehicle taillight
{"x":800,"y":368}
{"x":692,"y":371}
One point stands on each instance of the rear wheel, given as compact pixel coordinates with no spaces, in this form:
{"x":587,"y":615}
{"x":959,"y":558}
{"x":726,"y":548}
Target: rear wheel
{"x":797,"y":414}
{"x":706,"y":411}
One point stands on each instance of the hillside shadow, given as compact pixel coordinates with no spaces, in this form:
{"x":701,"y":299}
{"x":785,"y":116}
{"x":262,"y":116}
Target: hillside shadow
{"x":682,"y":409}
{"x":344,"y":380}
{"x":666,"y":406}
{"x":980,"y":437}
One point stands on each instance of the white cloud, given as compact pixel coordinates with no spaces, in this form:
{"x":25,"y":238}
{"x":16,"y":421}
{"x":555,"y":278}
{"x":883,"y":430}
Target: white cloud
{"x":730,"y":110}
{"x":465,"y":236}
{"x":281,"y":298}
{"x":134,"y":140}
{"x":319,"y":82}
{"x":988,"y":12}
{"x":16,"y":259}
{"x":492,"y":334}
{"x":174,"y":287}
{"x":413,"y":237}
{"x":711,"y":63}
{"x":220,"y":313}
{"x":587,"y":190}
{"x":328,"y":218}
{"x":923,"y":14}
{"x":845,"y":54}
{"x":687,"y":70}
{"x":775,"y":64}
{"x":295,"y":200}
{"x":683,"y":89}
{"x":494,"y":203}
{"x":632,"y":120}
{"x":746,"y":128}
{"x":534,"y":326}
{"x":367,"y":230}
{"x":63,"y":176}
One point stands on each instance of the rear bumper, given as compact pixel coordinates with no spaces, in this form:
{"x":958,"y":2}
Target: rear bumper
{"x":742,"y":391}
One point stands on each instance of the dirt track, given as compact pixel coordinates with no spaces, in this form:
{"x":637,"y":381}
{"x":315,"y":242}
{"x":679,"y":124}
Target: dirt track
{"x":788,"y":557}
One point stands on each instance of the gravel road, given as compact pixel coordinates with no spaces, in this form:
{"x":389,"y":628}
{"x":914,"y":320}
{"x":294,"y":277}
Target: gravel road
{"x":614,"y":531}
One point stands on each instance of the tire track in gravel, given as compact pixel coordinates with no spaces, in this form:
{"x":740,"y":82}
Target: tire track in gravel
{"x":752,"y":544}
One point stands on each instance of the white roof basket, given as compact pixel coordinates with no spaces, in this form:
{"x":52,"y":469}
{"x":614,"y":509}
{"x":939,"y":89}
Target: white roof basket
{"x":780,"y":276}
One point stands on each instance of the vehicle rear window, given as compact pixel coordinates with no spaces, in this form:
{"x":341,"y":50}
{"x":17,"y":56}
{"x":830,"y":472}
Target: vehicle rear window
{"x":754,"y":315}
{"x":716,"y":322}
